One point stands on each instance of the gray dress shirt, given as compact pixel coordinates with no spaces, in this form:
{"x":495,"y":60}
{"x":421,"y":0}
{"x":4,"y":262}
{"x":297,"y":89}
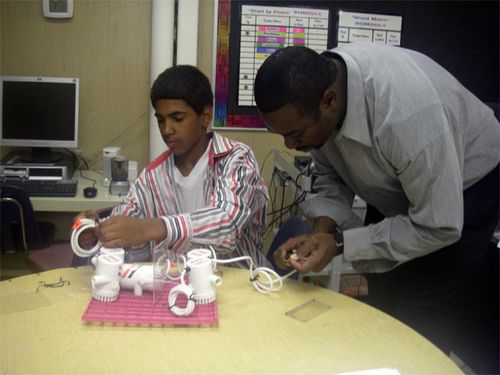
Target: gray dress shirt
{"x":412,"y":140}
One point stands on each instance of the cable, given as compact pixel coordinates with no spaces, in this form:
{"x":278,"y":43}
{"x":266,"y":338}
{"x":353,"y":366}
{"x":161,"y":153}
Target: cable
{"x":264,"y":161}
{"x":287,"y":209}
{"x":74,"y":158}
{"x":94,"y":181}
{"x":271,"y":276}
{"x":172,"y":299}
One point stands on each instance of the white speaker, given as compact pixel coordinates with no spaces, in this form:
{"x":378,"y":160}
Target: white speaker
{"x":108,"y":153}
{"x":132,"y":170}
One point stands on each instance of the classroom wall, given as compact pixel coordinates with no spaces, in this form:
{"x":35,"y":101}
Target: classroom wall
{"x":262,"y":142}
{"x":107,"y":45}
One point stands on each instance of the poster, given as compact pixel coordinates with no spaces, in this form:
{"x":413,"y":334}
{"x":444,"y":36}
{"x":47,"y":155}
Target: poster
{"x":368,"y":27}
{"x":261,"y":31}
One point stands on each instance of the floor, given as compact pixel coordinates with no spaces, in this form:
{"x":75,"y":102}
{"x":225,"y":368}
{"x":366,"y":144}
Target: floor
{"x":356,"y":286}
{"x":461,"y":365}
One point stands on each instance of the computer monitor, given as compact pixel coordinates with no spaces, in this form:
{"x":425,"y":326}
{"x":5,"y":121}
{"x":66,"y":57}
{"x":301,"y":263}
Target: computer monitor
{"x":39,"y":112}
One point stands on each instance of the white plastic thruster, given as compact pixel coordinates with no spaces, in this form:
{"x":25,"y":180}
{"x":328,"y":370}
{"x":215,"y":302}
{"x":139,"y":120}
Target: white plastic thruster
{"x":199,"y":253}
{"x":106,"y":279}
{"x":202,"y":253}
{"x":117,"y":252}
{"x":202,"y":280}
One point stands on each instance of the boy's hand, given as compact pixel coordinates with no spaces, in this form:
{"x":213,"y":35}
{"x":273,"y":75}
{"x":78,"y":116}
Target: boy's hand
{"x":125,"y":231}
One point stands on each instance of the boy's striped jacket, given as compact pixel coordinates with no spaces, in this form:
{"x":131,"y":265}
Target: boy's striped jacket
{"x":233,"y":221}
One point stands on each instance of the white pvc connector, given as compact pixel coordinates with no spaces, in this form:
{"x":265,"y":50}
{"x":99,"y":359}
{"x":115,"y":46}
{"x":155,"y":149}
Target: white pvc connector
{"x":79,"y":227}
{"x":106,"y":280}
{"x":138,"y":277}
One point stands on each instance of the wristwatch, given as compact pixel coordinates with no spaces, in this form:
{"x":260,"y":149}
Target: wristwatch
{"x":339,"y":239}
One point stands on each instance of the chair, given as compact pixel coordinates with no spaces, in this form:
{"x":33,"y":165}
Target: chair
{"x":337,"y":267}
{"x":23,"y":237}
{"x":20,"y":229}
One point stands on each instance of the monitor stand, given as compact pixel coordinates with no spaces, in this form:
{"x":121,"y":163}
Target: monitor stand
{"x":41,"y":155}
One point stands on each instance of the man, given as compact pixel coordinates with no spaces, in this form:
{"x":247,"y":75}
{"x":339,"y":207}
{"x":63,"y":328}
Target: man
{"x":205,"y":190}
{"x":395,"y":128}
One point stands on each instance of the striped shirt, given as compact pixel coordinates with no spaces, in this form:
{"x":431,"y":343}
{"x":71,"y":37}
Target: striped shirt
{"x":233,"y":221}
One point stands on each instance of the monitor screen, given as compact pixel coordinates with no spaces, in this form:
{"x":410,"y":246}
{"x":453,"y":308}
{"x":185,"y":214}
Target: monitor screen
{"x":39,"y":112}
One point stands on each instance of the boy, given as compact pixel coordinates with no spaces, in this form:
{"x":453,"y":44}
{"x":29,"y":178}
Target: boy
{"x":205,"y":190}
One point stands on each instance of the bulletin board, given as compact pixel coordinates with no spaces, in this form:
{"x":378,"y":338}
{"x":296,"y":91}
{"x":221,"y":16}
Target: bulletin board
{"x":462,"y":36}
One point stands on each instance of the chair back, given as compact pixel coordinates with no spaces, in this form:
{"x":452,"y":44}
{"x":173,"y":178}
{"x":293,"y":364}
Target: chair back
{"x":18,"y":219}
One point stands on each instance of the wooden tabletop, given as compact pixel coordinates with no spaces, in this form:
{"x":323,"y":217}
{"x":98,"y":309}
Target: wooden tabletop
{"x":42,"y":333}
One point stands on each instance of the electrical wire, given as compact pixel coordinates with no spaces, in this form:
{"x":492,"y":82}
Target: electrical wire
{"x":273,"y":281}
{"x":181,"y":289}
{"x":286,"y":211}
{"x":76,"y":164}
{"x":264,"y":161}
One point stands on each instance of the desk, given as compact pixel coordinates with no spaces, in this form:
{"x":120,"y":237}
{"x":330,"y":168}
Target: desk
{"x":62,"y":210}
{"x":79,"y":202}
{"x":253,"y":337}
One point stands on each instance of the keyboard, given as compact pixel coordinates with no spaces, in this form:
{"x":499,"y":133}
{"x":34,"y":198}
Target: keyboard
{"x":45,"y":188}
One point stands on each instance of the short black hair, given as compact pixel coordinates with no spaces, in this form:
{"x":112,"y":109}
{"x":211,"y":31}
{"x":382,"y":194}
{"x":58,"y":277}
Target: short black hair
{"x":296,"y":75}
{"x":184,"y":82}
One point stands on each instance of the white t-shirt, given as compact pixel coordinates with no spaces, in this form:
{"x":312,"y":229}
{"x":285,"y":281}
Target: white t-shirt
{"x":189,"y":189}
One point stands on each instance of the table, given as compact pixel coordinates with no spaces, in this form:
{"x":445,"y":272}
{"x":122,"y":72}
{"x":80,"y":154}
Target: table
{"x":41,"y":333}
{"x":78,"y":203}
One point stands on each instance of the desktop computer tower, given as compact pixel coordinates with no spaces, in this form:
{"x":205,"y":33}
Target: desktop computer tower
{"x":18,"y":164}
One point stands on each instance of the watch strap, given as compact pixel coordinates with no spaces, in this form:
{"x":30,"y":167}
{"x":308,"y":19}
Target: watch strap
{"x":339,"y":239}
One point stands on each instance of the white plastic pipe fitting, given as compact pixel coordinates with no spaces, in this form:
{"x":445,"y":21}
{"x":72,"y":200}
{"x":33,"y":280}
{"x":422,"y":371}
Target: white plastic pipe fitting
{"x":138,"y":277}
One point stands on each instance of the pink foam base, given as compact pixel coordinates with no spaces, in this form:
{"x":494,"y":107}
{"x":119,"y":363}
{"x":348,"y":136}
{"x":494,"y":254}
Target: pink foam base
{"x":129,"y":309}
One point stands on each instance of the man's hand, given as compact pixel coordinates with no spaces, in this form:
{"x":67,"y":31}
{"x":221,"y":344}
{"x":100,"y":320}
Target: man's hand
{"x":306,"y":253}
{"x":125,"y":231}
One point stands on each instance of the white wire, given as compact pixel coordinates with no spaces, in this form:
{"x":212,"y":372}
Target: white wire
{"x":172,"y":298}
{"x":273,"y":282}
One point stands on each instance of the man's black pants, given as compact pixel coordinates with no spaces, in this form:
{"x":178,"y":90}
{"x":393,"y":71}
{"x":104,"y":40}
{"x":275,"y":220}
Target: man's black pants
{"x":451,"y":296}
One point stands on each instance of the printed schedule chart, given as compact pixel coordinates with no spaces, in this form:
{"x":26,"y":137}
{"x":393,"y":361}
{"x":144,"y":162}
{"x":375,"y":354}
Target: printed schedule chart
{"x":264,"y":29}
